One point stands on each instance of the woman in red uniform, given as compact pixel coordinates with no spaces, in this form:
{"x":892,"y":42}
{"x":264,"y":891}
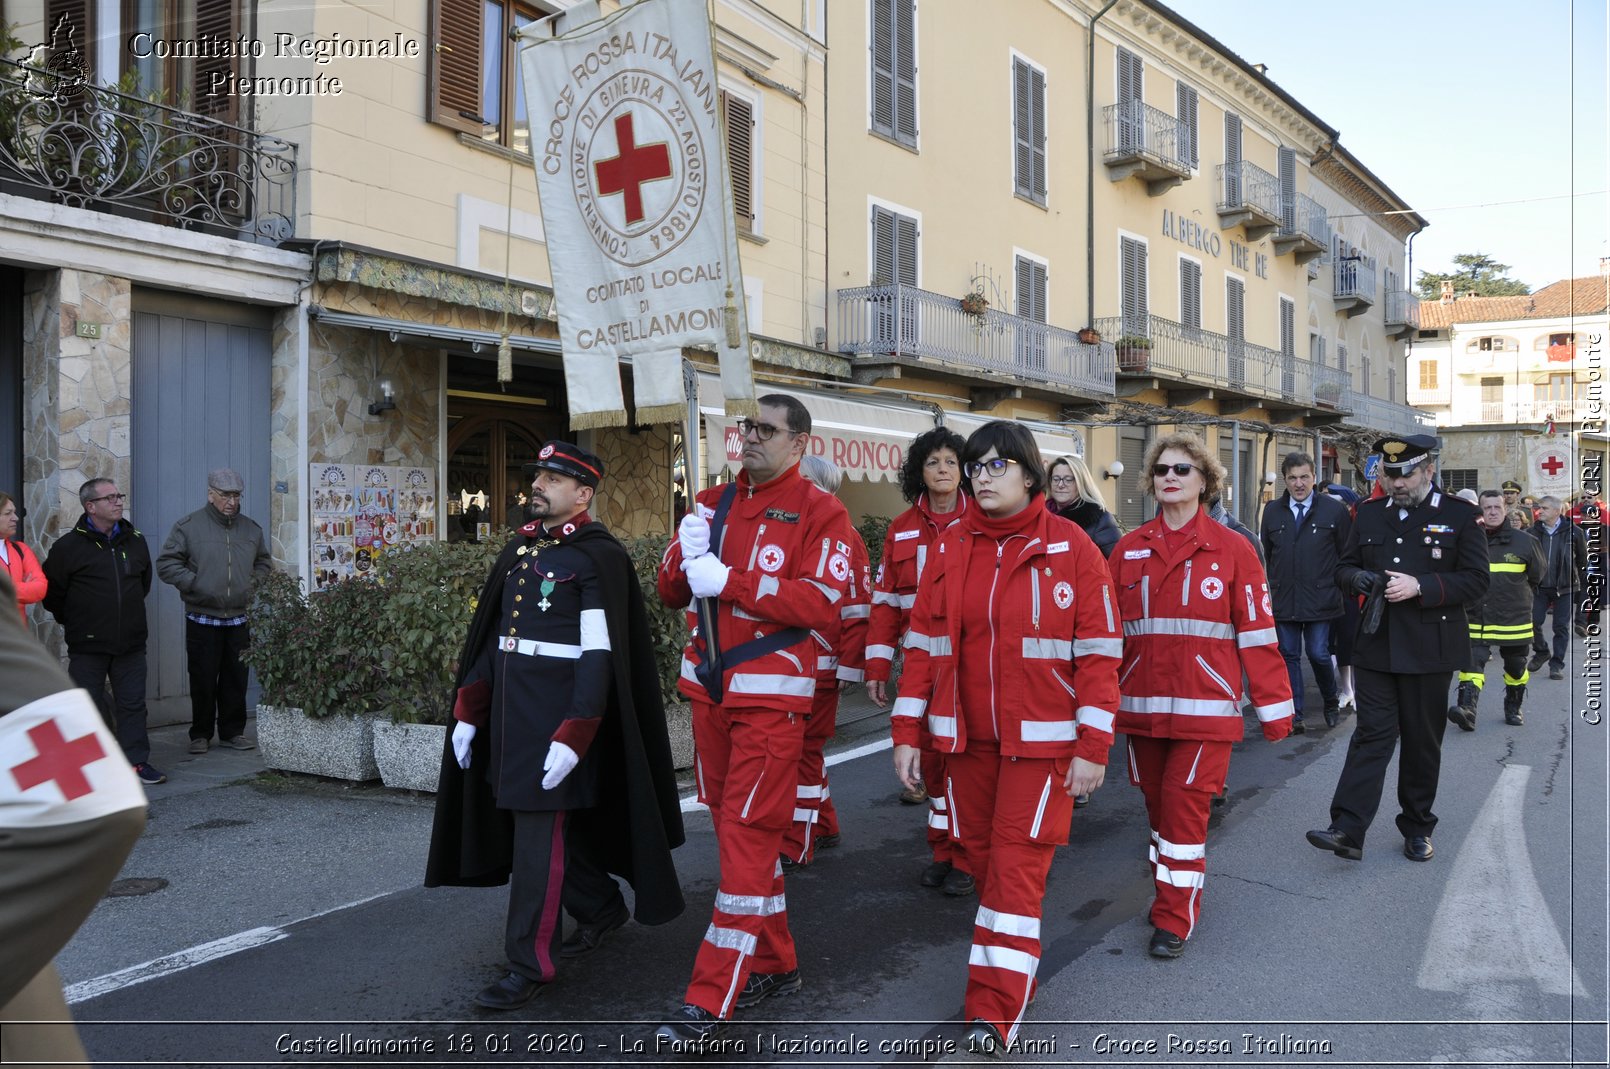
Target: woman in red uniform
{"x":18,"y":560}
{"x":1012,"y":665}
{"x":1196,"y":615}
{"x":931,"y":479}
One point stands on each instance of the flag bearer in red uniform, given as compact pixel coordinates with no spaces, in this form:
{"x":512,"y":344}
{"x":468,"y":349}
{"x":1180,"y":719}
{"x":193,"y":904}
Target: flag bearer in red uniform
{"x":1197,"y":615}
{"x":1012,"y":661}
{"x":840,"y":660}
{"x":765,"y":560}
{"x":931,"y":479}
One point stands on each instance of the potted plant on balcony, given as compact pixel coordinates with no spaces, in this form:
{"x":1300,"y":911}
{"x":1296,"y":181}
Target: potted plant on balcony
{"x":975,"y":303}
{"x":1134,"y":353}
{"x":1089,"y":336}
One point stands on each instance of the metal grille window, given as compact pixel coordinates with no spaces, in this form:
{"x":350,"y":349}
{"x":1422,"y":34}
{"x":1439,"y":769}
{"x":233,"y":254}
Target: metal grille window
{"x":1457,"y":479}
{"x":740,"y":114}
{"x":1191,"y":294}
{"x":1185,"y":110}
{"x":894,"y":69}
{"x":1132,"y":286}
{"x":1028,"y":131}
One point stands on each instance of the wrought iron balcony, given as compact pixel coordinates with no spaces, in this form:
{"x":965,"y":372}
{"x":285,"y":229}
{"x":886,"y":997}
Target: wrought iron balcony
{"x":1402,"y":313}
{"x":1532,"y":411}
{"x":1148,"y":144}
{"x":94,"y":147}
{"x":1355,"y":285}
{"x":1330,"y":387}
{"x":904,"y":321}
{"x":1386,"y":417}
{"x":1149,"y":346}
{"x":1249,"y":197}
{"x":1304,"y":228}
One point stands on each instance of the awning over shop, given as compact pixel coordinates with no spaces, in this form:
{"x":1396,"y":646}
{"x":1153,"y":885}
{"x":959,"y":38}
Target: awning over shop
{"x":1053,"y":441}
{"x":866,"y":437}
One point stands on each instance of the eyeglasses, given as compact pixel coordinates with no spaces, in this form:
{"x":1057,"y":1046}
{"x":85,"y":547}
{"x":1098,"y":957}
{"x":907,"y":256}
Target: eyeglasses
{"x":231,"y":495}
{"x":1181,"y":469}
{"x":763,"y":432}
{"x":1062,"y":480}
{"x":996,"y":466}
{"x":116,"y":498}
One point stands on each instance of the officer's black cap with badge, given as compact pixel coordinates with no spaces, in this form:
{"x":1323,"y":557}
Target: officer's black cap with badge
{"x":567,"y":459}
{"x":1401,"y":455}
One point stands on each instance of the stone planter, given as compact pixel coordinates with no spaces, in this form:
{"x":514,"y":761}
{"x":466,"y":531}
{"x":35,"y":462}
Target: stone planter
{"x":341,"y":747}
{"x":679,"y":727}
{"x":409,"y":755}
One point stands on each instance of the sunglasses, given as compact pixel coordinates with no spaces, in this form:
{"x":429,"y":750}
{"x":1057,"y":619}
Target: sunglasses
{"x":996,"y":466}
{"x":1182,"y":470}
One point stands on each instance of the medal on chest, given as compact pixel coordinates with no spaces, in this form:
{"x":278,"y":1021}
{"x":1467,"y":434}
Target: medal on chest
{"x":546,"y":589}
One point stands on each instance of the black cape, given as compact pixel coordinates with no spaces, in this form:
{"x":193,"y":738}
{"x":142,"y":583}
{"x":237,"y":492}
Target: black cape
{"x":638,"y":821}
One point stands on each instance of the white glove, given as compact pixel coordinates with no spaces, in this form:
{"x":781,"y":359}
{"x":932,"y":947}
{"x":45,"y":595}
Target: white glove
{"x":559,"y":763}
{"x":707,"y":576}
{"x":694,"y":534}
{"x":462,"y":735}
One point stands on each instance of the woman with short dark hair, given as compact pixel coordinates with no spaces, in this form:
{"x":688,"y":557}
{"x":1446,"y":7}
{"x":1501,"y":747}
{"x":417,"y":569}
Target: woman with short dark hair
{"x":1012,"y":663}
{"x":1197,"y":620}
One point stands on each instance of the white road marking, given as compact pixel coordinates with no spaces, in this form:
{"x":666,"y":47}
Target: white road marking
{"x":169,"y":964}
{"x":691,"y":803}
{"x":1493,"y":930}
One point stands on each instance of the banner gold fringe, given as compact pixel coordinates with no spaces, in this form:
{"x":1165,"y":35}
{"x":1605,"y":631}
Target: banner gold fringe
{"x":607,"y":417}
{"x":647,"y":414}
{"x":742,"y":407}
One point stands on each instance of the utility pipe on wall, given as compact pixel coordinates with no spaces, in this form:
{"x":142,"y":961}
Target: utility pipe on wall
{"x":1090,"y":168}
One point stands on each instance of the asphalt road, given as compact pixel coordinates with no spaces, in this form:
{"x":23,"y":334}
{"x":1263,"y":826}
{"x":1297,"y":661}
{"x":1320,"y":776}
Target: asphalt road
{"x":291,"y":927}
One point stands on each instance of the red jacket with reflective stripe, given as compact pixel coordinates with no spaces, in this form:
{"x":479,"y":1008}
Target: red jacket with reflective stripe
{"x":842,"y":656}
{"x":1192,"y":625}
{"x":1055,"y":652}
{"x":788,"y":544}
{"x":906,"y":548}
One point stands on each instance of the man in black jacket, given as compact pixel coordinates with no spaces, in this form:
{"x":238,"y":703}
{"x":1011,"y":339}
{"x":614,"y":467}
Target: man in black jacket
{"x":558,"y":771}
{"x":1424,"y":553}
{"x":1303,"y":535}
{"x":99,"y":575}
{"x":1565,"y":548}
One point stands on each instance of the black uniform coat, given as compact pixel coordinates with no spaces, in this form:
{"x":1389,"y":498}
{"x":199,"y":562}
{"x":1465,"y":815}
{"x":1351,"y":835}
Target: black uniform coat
{"x":1442,"y":546}
{"x":638,"y":820}
{"x":1302,"y":563}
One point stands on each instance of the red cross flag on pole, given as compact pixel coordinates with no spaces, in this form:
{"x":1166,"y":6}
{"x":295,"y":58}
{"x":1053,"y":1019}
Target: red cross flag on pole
{"x":59,"y":765}
{"x":1549,"y":466}
{"x":628,"y":144}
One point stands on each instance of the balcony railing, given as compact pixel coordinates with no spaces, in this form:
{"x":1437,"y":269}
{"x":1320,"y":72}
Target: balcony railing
{"x":1305,"y":229}
{"x":1146,"y":142}
{"x":1529,"y":411}
{"x":1355,"y":285}
{"x":1249,"y":196}
{"x":1330,"y":386}
{"x":1402,"y":312}
{"x":1191,"y":355}
{"x":1388,"y":417}
{"x":907,"y":321}
{"x":94,"y":147}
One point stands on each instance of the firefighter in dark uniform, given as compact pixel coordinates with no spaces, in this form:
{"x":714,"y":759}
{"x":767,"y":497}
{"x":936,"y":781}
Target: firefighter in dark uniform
{"x":1503,"y":618}
{"x":558,"y":713}
{"x":1424,"y":553}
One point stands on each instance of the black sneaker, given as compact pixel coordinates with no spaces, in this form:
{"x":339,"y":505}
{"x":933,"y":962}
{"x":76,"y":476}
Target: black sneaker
{"x":149,"y":774}
{"x":788,"y":864}
{"x":1165,"y":944}
{"x":983,"y":1038}
{"x":688,"y":1027}
{"x":763,"y":985}
{"x":934,"y":875}
{"x":958,"y":883}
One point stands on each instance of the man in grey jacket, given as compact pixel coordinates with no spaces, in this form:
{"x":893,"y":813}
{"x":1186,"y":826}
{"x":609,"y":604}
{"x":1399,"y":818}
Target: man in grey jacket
{"x":211,"y":555}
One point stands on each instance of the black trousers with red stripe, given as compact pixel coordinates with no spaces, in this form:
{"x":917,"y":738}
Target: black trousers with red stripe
{"x":555,"y":868}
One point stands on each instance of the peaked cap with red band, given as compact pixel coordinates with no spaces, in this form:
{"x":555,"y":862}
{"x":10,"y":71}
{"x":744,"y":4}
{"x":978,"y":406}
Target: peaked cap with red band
{"x":567,"y":459}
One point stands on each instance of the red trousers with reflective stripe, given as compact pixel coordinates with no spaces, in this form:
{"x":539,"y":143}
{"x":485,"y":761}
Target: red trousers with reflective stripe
{"x":940,"y":844}
{"x":814,"y":813}
{"x":1179,"y":778}
{"x":1011,"y":815}
{"x":746,"y":762}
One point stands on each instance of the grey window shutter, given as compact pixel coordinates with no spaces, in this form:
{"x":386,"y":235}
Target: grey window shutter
{"x":1022,"y":123}
{"x":1130,"y":74}
{"x":1037,"y":132}
{"x":1031,"y":289}
{"x":1235,"y":308}
{"x":1191,"y":294}
{"x":1232,"y":158}
{"x":1341,"y":357}
{"x":905,"y":70}
{"x":883,"y":75}
{"x":882,"y":247}
{"x":905,"y":247}
{"x":1185,"y":104}
{"x":1288,"y":187}
{"x":1132,"y":286}
{"x":1288,"y":319}
{"x":740,"y":157}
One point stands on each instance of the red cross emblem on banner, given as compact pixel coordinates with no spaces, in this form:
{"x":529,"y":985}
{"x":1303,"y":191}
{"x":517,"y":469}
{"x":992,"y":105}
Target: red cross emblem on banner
{"x":625,"y":173}
{"x":1552,"y":464}
{"x":58,"y":759}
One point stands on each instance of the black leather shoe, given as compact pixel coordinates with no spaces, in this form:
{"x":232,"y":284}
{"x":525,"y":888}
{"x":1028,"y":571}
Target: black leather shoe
{"x":1297,"y":726}
{"x":934,"y":875}
{"x":958,"y":883}
{"x":1333,"y":711}
{"x":1337,"y":842}
{"x":827,"y":842}
{"x":1165,"y":944}
{"x":1465,"y":718}
{"x":983,"y":1038}
{"x":1418,"y":848}
{"x":589,"y":937}
{"x":1539,"y":659}
{"x":688,"y":1027}
{"x":763,"y":985}
{"x":509,"y":993}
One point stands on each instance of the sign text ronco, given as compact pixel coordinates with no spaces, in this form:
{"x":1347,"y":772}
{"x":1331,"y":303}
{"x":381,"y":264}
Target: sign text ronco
{"x":866,"y":456}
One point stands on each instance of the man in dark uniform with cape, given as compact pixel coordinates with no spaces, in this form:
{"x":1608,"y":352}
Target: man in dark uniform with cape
{"x":558,"y":771}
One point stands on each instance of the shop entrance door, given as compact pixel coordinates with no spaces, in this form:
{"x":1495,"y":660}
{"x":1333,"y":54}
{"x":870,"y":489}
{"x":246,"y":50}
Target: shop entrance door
{"x":488,"y":447}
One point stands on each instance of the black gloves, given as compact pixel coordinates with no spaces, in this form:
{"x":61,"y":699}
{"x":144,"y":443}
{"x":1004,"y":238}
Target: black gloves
{"x":1367,"y":583}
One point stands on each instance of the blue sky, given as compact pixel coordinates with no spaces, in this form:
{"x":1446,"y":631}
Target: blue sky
{"x":1454,"y":104}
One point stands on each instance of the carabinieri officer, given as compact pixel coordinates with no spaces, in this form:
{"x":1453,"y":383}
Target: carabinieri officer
{"x":1423,"y":550}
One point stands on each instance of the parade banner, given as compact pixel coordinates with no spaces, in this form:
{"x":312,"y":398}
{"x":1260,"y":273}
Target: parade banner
{"x":1548,"y":466}
{"x":627,"y":141}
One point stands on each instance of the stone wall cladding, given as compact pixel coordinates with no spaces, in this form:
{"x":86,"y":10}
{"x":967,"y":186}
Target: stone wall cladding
{"x":635,"y":497}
